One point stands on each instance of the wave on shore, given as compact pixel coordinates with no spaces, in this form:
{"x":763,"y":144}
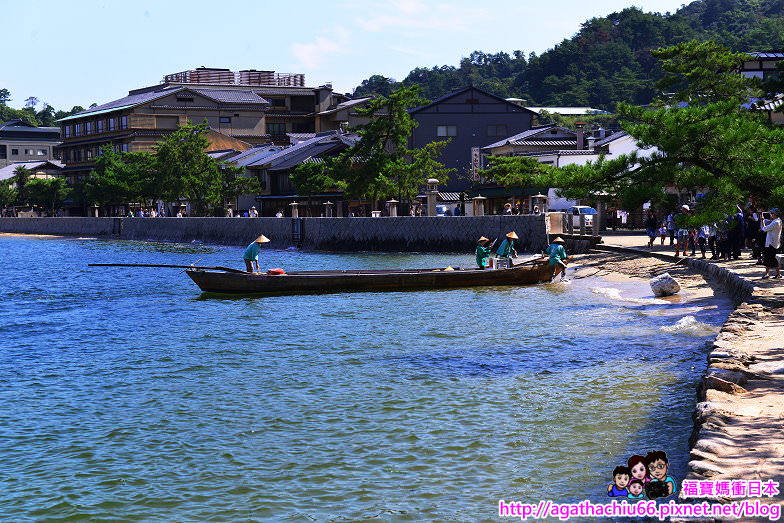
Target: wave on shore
{"x":691,"y":325}
{"x":615,"y":294}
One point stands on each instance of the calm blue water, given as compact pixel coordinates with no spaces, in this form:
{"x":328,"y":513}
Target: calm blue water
{"x":126,"y":395}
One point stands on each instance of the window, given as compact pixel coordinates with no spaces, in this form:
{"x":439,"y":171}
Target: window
{"x":77,"y":155}
{"x":88,"y":153}
{"x":277,"y":102}
{"x":446,"y":130}
{"x":66,"y":155}
{"x":123,"y":122}
{"x":225,"y":119}
{"x":88,"y":128}
{"x":99,"y":126}
{"x":41,"y":152}
{"x":67,"y":131}
{"x":14,"y":152}
{"x":185,"y":98}
{"x":276,"y":129}
{"x":124,"y":148}
{"x":77,"y":129}
{"x":496,"y":130}
{"x":111,"y":124}
{"x":3,"y":152}
{"x":472,"y":101}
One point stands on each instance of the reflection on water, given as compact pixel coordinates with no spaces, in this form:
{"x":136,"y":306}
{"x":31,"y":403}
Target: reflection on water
{"x":126,"y":396}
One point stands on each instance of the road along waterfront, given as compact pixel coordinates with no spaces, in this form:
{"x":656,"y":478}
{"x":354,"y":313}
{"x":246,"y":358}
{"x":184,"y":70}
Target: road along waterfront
{"x":127,"y":394}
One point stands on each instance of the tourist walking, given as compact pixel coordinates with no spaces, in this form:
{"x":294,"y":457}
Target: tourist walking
{"x":507,"y":209}
{"x":253,"y":213}
{"x":507,"y":249}
{"x":251,"y":254}
{"x":483,"y":250}
{"x":650,"y":227}
{"x":682,"y":236}
{"x":671,"y":227}
{"x":772,"y":243}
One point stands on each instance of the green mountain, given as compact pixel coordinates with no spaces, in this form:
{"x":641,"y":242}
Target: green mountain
{"x":607,"y":61}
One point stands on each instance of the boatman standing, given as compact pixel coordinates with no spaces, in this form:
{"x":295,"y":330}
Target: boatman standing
{"x":558,"y":258}
{"x":251,"y":254}
{"x":507,"y":249}
{"x":483,"y":250}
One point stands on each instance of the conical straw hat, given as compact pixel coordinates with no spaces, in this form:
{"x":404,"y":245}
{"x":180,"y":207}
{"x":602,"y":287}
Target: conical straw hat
{"x":512,"y":235}
{"x":559,"y":240}
{"x":483,"y":239}
{"x":262,"y":239}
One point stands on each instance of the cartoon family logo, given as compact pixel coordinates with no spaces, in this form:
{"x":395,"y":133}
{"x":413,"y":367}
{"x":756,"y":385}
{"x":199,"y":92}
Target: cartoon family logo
{"x":643,"y":477}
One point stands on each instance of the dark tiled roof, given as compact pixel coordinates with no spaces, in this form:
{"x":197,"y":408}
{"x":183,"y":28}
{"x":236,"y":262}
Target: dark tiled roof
{"x":254,"y":154}
{"x":614,"y":136}
{"x":767,"y":56}
{"x":8,"y":171}
{"x":232,"y":96}
{"x":464,"y":90}
{"x":533,"y":131}
{"x":130,"y":100}
{"x":346,"y":105}
{"x":24,"y":127}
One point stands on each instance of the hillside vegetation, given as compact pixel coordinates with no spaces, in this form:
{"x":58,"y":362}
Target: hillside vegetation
{"x":608,"y":61}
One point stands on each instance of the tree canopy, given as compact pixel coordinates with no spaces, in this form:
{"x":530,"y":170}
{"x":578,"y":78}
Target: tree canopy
{"x":380,"y":165}
{"x":705,"y":140}
{"x":608,"y":61}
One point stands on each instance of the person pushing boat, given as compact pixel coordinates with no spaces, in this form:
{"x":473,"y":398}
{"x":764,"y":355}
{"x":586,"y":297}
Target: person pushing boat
{"x":558,"y":258}
{"x":507,"y":248}
{"x":251,"y":254}
{"x":483,"y":250}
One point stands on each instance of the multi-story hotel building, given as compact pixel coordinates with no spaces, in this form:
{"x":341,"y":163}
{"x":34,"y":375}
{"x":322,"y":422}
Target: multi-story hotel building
{"x":251,"y":107}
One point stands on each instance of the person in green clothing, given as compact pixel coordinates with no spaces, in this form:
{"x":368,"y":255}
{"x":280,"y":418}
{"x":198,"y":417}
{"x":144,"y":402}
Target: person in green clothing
{"x":483,"y":250}
{"x":251,"y":254}
{"x":558,"y":257}
{"x":507,"y":249}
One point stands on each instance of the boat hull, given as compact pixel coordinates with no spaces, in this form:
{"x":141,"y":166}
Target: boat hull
{"x":368,"y":280}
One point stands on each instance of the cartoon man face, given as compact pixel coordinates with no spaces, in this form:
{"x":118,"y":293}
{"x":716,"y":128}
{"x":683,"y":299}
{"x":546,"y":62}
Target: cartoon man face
{"x":621,"y":480}
{"x":635,"y":489}
{"x":658,"y":469}
{"x":638,"y":471}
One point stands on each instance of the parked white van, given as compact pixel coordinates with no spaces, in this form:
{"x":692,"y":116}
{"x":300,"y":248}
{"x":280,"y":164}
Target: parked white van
{"x":582,"y":210}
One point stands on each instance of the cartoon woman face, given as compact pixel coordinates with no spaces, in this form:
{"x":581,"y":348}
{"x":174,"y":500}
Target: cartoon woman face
{"x":639,"y":471}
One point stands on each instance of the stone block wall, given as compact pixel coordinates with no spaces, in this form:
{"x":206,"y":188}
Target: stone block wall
{"x":401,"y":234}
{"x":61,"y":226}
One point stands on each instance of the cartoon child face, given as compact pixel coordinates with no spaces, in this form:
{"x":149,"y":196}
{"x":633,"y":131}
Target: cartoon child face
{"x":638,"y":471}
{"x":658,"y":469}
{"x":635,"y":489}
{"x":621,"y":480}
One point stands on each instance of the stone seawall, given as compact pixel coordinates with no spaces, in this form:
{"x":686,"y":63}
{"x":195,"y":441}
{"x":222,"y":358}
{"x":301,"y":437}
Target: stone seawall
{"x":401,"y":234}
{"x":739,"y":417}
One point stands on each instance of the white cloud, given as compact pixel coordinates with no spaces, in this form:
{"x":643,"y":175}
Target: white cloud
{"x":314,"y":55}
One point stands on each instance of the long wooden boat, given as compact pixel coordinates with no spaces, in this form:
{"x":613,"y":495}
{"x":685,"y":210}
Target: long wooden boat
{"x":529,"y":272}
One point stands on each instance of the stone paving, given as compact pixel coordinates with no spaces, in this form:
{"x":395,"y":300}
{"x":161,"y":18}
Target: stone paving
{"x":739,"y":417}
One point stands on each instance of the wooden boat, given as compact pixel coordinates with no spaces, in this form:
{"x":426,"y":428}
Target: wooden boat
{"x":529,"y":272}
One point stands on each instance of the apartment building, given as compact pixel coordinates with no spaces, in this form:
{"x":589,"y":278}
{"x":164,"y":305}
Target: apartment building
{"x":23,"y":142}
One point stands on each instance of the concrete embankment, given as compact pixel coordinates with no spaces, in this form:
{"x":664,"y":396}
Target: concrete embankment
{"x":739,"y":417}
{"x":428,"y":234}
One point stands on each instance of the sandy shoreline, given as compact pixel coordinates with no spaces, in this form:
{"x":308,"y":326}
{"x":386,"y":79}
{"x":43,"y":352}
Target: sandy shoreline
{"x":739,"y":412}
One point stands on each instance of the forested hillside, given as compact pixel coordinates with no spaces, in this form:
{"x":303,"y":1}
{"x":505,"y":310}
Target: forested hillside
{"x":607,"y":61}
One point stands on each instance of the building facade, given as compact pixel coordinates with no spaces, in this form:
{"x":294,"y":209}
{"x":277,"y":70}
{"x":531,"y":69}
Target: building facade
{"x":251,"y":107}
{"x":22,"y":142}
{"x":470,"y":118}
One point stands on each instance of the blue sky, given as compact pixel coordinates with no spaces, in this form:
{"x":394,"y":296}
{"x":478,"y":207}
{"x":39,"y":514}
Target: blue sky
{"x":78,"y":52}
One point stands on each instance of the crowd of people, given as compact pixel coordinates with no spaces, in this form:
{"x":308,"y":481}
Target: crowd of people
{"x":747,"y":229}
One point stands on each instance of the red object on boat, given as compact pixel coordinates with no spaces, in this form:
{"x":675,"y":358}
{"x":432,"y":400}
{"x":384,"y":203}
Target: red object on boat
{"x":276,"y":271}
